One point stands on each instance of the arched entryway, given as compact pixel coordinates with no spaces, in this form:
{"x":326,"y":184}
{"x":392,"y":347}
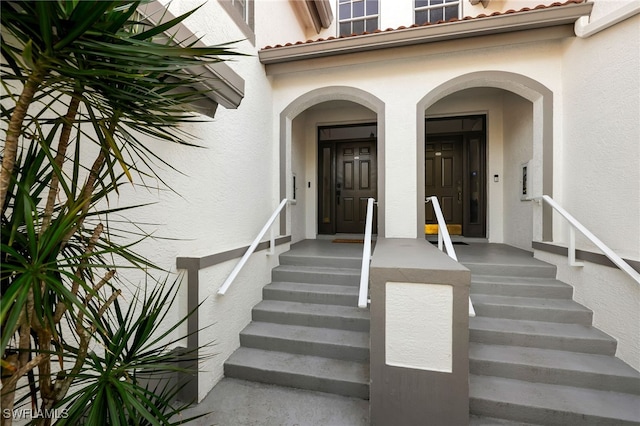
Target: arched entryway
{"x":332,"y":107}
{"x":473,"y":95}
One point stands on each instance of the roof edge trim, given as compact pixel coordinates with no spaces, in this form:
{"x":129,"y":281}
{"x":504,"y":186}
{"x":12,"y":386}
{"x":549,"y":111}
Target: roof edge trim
{"x":228,"y":87}
{"x":506,"y":22}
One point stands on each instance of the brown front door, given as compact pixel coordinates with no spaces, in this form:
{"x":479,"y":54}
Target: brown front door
{"x":443,"y":178}
{"x":356,"y":181}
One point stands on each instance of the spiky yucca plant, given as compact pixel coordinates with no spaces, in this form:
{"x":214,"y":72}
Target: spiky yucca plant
{"x":86,"y":86}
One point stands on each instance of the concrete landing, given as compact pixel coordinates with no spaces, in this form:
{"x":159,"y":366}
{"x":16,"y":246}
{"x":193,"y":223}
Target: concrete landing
{"x":235,"y":402}
{"x":495,"y":254}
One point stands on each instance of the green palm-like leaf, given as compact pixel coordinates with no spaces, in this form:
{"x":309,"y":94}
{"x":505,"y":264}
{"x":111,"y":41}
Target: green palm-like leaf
{"x":118,"y":80}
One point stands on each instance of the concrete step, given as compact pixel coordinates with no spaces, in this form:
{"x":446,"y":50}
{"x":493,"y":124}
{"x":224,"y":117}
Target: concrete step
{"x":492,"y":421}
{"x":319,"y":260}
{"x":316,"y":275}
{"x":325,"y":342}
{"x":550,"y":404}
{"x":606,"y":373}
{"x":300,"y":371}
{"x":531,"y":308}
{"x":312,"y":293}
{"x":312,"y":315}
{"x":520,"y":287}
{"x":531,"y":268}
{"x":538,"y":334}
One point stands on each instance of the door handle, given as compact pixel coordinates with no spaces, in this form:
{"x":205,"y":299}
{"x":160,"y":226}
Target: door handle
{"x":459,"y":196}
{"x":338,"y":197}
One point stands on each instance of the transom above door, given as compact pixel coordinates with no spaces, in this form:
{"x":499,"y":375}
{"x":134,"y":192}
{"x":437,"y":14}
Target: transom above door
{"x":347,"y":177}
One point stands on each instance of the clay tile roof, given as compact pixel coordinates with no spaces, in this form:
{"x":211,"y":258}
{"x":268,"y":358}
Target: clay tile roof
{"x":452,"y":20}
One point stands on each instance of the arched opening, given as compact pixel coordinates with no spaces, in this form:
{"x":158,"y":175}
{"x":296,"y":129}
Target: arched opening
{"x":518,"y":135}
{"x":317,"y":132}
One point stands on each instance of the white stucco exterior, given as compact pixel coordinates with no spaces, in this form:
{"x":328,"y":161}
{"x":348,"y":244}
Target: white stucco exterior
{"x":541,"y":90}
{"x":419,"y":335}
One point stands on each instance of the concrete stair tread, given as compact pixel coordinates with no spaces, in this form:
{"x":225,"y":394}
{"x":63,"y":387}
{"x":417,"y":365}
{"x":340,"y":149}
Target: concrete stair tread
{"x":546,"y":365}
{"x":559,"y":403}
{"x":312,"y":308}
{"x":297,"y":254}
{"x":331,"y":336}
{"x":530,"y":302}
{"x":321,"y":259}
{"x":302,"y":364}
{"x":529,"y":268}
{"x":492,"y":421}
{"x":313,"y":288}
{"x":549,"y":288}
{"x":554,"y":359}
{"x":324,"y":294}
{"x":302,"y":371}
{"x":546,"y":335}
{"x":318,"y":269}
{"x":316,"y":274}
{"x":312,"y":315}
{"x":537,"y":327}
{"x":524,"y":280}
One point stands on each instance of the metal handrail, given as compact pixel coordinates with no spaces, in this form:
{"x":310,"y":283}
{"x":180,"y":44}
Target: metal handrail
{"x":366,"y":257}
{"x":443,"y":235}
{"x":574,"y":224}
{"x":234,"y":273}
{"x":443,"y":231}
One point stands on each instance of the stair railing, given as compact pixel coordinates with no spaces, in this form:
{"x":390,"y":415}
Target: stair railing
{"x":443,"y":236}
{"x":443,"y":231}
{"x":234,"y":273}
{"x":574,"y":224}
{"x":363,"y":294}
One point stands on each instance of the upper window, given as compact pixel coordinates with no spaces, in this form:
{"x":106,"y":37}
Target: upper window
{"x":241,"y":7}
{"x":436,"y":10}
{"x":357,"y":16}
{"x":242,"y":13}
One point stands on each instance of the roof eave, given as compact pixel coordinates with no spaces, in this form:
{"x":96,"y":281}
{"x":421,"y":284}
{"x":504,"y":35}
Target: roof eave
{"x":517,"y":21}
{"x":228,"y":89}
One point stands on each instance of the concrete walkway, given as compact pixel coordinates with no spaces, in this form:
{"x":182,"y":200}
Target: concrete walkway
{"x":235,"y":402}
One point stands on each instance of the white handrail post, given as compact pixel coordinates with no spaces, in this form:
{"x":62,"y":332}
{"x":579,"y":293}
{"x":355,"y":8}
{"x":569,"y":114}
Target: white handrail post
{"x":234,"y":273}
{"x":573,"y":223}
{"x":442,"y":227}
{"x":443,"y":234}
{"x":572,"y":247}
{"x":366,"y":257}
{"x":272,"y":242}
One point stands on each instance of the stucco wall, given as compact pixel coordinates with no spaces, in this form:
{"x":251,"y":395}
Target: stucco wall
{"x":600,"y":171}
{"x":612,"y":296}
{"x":601,"y":135}
{"x":298,"y":168}
{"x":224,"y":194}
{"x":423,"y":69}
{"x":518,"y":149}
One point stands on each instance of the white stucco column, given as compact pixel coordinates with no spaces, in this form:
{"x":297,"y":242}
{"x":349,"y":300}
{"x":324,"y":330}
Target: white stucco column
{"x":400,"y":168}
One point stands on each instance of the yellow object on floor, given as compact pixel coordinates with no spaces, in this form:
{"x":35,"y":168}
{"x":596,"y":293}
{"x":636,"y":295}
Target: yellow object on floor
{"x":432,"y":229}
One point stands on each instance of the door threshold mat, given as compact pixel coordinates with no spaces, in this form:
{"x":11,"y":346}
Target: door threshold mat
{"x":348,"y":240}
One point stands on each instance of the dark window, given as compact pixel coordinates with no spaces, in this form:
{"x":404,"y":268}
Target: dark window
{"x":357,"y":16}
{"x":436,"y":10}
